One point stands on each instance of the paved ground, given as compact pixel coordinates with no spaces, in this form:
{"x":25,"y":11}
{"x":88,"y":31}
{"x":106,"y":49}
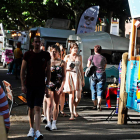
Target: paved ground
{"x":89,"y":125}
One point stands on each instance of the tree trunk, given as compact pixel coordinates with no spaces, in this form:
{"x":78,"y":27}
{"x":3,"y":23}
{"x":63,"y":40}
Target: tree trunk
{"x":108,"y":24}
{"x":122,"y":25}
{"x":77,"y":17}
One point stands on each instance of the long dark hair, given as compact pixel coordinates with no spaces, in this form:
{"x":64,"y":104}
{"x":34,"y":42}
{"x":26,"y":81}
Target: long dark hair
{"x":55,"y":47}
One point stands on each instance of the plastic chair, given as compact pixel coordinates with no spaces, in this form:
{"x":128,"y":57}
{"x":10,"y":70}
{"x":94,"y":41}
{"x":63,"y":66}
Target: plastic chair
{"x":13,"y":98}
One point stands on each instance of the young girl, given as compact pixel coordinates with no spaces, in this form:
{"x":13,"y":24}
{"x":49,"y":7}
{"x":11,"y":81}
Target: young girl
{"x":58,"y":72}
{"x":74,"y":79}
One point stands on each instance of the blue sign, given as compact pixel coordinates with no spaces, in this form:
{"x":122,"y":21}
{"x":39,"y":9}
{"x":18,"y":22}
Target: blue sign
{"x":134,"y":8}
{"x":131,"y":85}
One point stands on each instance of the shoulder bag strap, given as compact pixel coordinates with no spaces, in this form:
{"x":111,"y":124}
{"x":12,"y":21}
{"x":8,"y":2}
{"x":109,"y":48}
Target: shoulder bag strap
{"x":92,"y":59}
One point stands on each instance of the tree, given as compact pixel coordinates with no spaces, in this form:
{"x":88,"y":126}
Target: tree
{"x":22,"y":13}
{"x":31,"y":13}
{"x":109,"y":9}
{"x":75,"y":7}
{"x":123,"y":15}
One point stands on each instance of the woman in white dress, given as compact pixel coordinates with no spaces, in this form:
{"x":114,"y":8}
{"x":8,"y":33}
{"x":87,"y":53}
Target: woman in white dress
{"x":74,"y":79}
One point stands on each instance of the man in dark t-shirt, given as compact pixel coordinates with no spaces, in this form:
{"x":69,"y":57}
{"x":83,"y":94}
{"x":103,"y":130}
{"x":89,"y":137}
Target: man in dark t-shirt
{"x":37,"y":64}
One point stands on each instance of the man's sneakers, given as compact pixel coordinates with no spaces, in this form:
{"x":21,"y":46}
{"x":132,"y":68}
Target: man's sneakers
{"x":54,"y":126}
{"x":31,"y":133}
{"x":45,"y":120}
{"x":38,"y":135}
{"x":48,"y":127}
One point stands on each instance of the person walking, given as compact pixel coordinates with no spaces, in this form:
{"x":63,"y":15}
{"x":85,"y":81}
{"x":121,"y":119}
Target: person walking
{"x":17,"y":58}
{"x":62,"y":96}
{"x":37,"y":64}
{"x":56,"y":84}
{"x":74,"y":79}
{"x":42,"y":47}
{"x":98,"y":79}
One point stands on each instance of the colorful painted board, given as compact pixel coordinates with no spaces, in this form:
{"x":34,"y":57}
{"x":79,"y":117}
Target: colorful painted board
{"x":131,"y":84}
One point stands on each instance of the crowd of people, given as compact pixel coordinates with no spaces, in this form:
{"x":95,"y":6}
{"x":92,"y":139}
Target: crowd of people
{"x":47,"y":76}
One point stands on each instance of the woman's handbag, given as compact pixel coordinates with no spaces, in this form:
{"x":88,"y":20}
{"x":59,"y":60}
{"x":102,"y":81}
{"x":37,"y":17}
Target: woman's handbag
{"x":92,"y":69}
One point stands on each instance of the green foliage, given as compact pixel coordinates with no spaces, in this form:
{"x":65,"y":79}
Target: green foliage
{"x":31,"y":13}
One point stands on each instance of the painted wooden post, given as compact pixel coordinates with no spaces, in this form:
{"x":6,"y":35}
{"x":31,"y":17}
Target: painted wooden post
{"x":122,"y":113}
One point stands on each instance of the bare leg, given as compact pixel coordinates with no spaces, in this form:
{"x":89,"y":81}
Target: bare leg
{"x":44,"y":107}
{"x":56,"y":106}
{"x":37,"y":117}
{"x":77,"y":101}
{"x":49,"y":106}
{"x":99,"y":103}
{"x":71,"y":104}
{"x":95,"y":102}
{"x":62,"y":101}
{"x":31,"y":117}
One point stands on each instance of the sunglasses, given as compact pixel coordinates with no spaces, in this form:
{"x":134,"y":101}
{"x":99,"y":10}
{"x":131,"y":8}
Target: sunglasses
{"x":90,"y":18}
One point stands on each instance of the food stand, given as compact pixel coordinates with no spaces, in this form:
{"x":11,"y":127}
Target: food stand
{"x":50,"y":36}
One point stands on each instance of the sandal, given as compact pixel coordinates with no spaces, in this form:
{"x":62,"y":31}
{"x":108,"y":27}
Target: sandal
{"x":99,"y":108}
{"x":76,"y":115}
{"x":71,"y":119}
{"x":94,"y":108}
{"x":62,"y":114}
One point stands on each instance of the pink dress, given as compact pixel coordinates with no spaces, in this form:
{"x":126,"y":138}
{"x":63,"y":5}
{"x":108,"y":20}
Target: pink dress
{"x":73,"y":77}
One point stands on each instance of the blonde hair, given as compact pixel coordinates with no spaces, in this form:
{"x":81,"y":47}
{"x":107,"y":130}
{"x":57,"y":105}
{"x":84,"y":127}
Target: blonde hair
{"x":64,"y":51}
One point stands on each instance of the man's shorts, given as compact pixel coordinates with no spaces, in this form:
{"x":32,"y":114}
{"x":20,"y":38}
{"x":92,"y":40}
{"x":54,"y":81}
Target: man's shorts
{"x":35,"y":96}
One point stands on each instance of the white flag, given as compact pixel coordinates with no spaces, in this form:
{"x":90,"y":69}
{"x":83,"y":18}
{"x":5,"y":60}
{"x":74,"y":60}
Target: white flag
{"x":88,"y":20}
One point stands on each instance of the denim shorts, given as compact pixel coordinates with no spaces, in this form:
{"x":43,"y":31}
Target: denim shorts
{"x":97,"y":82}
{"x":35,"y":96}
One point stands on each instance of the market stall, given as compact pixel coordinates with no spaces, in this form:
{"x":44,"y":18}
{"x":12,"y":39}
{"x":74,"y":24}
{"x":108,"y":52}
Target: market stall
{"x":50,"y":36}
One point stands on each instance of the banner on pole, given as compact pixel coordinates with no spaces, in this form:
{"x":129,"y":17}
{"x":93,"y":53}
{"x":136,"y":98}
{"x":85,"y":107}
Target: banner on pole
{"x":88,"y":20}
{"x":134,"y":8}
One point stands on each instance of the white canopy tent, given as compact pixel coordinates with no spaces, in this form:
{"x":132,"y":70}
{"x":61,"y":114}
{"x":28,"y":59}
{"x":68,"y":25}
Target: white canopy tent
{"x":58,"y":33}
{"x":50,"y":35}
